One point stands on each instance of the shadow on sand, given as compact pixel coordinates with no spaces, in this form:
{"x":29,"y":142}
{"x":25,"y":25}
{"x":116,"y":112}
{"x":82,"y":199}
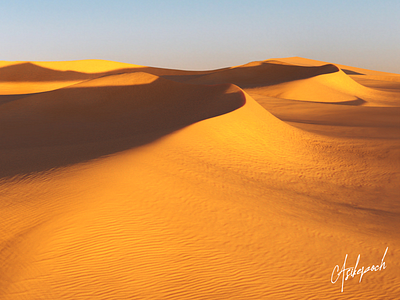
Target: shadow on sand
{"x":72,"y":125}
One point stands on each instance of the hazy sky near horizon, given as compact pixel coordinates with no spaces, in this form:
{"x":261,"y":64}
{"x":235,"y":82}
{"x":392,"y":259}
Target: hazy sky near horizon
{"x":203,"y":34}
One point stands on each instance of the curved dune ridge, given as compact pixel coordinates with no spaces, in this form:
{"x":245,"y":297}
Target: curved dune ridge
{"x":317,"y":83}
{"x":127,"y":103}
{"x":264,"y":73}
{"x":332,"y":88}
{"x":135,"y":186}
{"x":136,"y":106}
{"x":300,"y":61}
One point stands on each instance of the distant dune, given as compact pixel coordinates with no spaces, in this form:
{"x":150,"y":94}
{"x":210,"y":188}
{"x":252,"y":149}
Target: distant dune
{"x":325,"y":83}
{"x":33,"y":77}
{"x":121,"y":181}
{"x":264,"y":74}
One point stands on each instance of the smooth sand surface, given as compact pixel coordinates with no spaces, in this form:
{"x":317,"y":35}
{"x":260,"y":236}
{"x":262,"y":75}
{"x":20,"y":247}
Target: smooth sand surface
{"x":251,"y":182}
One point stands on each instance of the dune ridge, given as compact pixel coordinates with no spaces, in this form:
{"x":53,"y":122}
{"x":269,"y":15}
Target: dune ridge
{"x":264,"y":73}
{"x":100,"y":110}
{"x":308,"y":81}
{"x":330,"y":88}
{"x":312,"y":62}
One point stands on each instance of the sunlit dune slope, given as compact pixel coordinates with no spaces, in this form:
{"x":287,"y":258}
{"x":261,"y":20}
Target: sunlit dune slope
{"x":370,"y":78}
{"x":350,"y":70}
{"x":86,"y":66}
{"x":97,"y":111}
{"x":336,"y":87}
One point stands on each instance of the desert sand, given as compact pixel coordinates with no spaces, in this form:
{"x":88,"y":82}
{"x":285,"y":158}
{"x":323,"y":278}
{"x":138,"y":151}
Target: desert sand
{"x":121,"y":181}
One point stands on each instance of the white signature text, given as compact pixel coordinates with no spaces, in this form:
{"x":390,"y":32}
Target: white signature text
{"x":346,"y":273}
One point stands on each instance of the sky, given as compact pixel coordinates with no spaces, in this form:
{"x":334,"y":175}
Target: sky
{"x":199,"y":35}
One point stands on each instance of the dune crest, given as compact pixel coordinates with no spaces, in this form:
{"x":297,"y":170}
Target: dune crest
{"x":131,"y":108}
{"x":124,"y":79}
{"x":263,"y":74}
{"x":330,"y":88}
{"x":306,"y":81}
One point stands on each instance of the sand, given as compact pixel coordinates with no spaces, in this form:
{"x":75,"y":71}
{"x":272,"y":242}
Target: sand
{"x":252,"y":182}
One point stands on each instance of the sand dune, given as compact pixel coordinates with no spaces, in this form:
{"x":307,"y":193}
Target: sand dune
{"x":264,"y":74}
{"x":331,"y":88}
{"x":34,"y":77}
{"x":84,"y":66}
{"x":136,"y":106}
{"x":87,"y":66}
{"x":31,"y":72}
{"x":317,"y":83}
{"x":348,"y":69}
{"x":135,"y":186}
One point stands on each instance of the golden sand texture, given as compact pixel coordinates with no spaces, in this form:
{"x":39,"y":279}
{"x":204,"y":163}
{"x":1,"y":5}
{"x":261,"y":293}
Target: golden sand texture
{"x":134,"y":185}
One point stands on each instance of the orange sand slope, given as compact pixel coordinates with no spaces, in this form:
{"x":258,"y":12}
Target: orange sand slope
{"x":322,"y":83}
{"x":131,"y":184}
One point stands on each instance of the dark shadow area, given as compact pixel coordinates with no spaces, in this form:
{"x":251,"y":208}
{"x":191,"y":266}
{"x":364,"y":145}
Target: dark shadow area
{"x":8,"y":98}
{"x":349,"y":72}
{"x":31,"y":72}
{"x":264,"y":74}
{"x":68,"y":126}
{"x":182,"y":78}
{"x":370,"y":215}
{"x":356,"y":102}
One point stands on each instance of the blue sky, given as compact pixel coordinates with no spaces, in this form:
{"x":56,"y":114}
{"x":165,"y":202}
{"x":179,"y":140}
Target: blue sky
{"x":203,"y":34}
